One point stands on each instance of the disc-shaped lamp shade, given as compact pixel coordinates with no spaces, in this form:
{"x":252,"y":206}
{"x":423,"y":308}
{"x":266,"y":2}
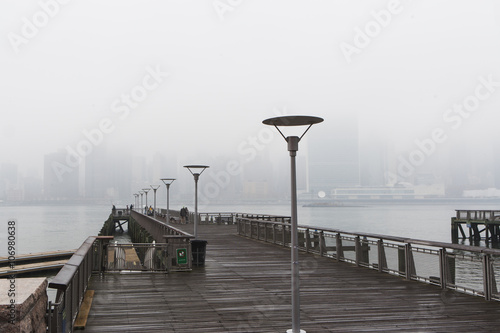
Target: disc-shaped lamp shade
{"x":292,"y":121}
{"x":167,"y":181}
{"x":195,"y":167}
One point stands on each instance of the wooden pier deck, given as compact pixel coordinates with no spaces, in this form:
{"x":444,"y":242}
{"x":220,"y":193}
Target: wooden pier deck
{"x":245,"y":287}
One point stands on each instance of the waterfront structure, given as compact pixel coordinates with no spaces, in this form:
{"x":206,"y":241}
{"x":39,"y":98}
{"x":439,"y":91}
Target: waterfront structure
{"x":481,"y":224}
{"x":397,"y":192}
{"x":344,"y":285}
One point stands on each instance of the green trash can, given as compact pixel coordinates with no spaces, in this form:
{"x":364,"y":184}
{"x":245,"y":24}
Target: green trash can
{"x":198,"y":249}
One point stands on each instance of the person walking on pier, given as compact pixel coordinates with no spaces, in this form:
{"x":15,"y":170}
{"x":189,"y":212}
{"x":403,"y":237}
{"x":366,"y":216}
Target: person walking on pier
{"x":184,"y":215}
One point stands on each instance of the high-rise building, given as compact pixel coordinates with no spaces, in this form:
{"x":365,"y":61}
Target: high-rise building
{"x":8,"y":179}
{"x":60,"y":179}
{"x":373,"y":162}
{"x":334,"y":155}
{"x":96,"y":173}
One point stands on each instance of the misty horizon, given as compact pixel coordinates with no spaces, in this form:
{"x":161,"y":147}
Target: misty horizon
{"x":113,"y":84}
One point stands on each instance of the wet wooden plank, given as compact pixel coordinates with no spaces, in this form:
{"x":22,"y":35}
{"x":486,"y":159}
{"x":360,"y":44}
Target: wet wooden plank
{"x":245,"y":287}
{"x":30,"y":268}
{"x":81,"y":318}
{"x":46,"y":256}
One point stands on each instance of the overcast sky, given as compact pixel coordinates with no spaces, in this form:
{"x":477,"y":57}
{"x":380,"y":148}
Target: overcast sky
{"x":200,"y":76}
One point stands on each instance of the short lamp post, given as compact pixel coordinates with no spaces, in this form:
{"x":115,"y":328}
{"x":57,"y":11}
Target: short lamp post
{"x":136,"y":195}
{"x":196,"y":171}
{"x":146,"y":190}
{"x":167,"y":182}
{"x":293,"y":147}
{"x":154,"y":187}
{"x":141,"y":193}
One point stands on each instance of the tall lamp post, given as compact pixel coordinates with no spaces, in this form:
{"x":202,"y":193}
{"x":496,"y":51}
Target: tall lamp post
{"x":196,"y":171}
{"x":154,"y":187}
{"x":167,"y":182}
{"x":293,"y":147}
{"x":146,"y":190}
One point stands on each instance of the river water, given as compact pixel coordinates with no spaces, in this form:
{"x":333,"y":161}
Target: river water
{"x":48,"y":228}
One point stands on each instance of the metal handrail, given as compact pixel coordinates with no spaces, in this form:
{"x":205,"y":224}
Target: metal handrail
{"x":432,"y":262}
{"x":156,"y":228}
{"x":119,"y":212}
{"x":71,"y":283}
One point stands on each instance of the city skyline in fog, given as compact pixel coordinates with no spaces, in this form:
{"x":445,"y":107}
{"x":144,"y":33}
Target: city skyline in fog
{"x":194,"y":81}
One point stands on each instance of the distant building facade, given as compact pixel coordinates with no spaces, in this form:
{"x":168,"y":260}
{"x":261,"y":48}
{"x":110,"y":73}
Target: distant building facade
{"x":60,"y":181}
{"x":334,"y":156}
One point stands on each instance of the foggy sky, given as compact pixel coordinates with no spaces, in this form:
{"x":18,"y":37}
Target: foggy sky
{"x":196,"y":78}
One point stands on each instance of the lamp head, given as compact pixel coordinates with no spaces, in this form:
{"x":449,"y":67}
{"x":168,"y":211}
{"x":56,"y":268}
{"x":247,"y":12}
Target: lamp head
{"x":293,"y":121}
{"x":167,"y":181}
{"x":196,"y":169}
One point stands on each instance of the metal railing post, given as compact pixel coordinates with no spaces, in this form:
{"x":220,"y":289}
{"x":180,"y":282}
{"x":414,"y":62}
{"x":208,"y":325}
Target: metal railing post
{"x":308,"y":240}
{"x":489,"y":281}
{"x":357,"y":250}
{"x":409,"y":264}
{"x":321,"y":243}
{"x":382,"y":261}
{"x":338,"y":249}
{"x":274,"y":233}
{"x":283,"y":234}
{"x":443,"y":270}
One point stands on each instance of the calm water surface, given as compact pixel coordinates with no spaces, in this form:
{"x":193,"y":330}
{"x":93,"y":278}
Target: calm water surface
{"x":421,"y":221}
{"x":47,"y":228}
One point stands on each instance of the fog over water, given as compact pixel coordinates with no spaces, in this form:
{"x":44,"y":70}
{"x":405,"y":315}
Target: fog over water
{"x":143,"y":88}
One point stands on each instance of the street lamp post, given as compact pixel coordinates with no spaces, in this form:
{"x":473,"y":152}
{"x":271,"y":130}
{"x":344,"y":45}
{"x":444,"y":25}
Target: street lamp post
{"x":194,"y":171}
{"x":167,"y":182}
{"x":146,"y":190}
{"x":293,"y":147}
{"x":136,"y":195}
{"x":154,"y":187}
{"x":141,"y":193}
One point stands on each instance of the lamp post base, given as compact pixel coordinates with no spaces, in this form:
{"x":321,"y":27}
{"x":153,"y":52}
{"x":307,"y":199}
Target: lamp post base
{"x":291,"y":331}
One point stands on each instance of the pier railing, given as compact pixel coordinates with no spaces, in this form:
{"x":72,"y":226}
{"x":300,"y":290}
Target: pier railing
{"x":478,"y":215}
{"x":469,"y":269}
{"x":71,"y":283}
{"x":230,"y":217}
{"x":119,"y":212}
{"x":136,"y":257}
{"x":156,"y":228}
